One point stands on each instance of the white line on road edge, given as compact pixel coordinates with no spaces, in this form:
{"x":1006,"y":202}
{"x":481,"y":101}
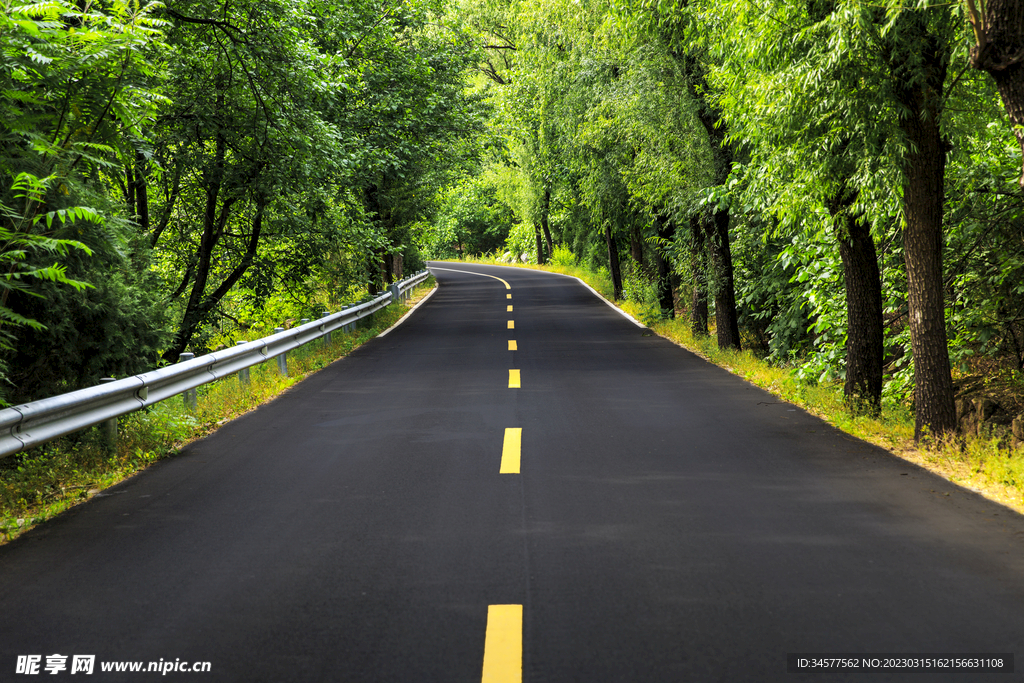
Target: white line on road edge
{"x":411,"y":310}
{"x":615,"y":308}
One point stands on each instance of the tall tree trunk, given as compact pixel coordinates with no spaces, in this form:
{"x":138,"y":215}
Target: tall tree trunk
{"x":540,"y":243}
{"x":923,"y":201}
{"x":375,"y":271}
{"x":380,"y":267}
{"x":666,"y":230}
{"x":726,"y":321}
{"x":141,"y":191}
{"x":613,"y":260}
{"x":168,"y":208}
{"x":392,"y":266}
{"x":129,"y":191}
{"x":999,"y":48}
{"x":193,"y":316}
{"x":698,"y":264}
{"x":545,"y":216}
{"x":710,"y":118}
{"x":636,"y":247}
{"x":200,"y":304}
{"x":864,"y":325}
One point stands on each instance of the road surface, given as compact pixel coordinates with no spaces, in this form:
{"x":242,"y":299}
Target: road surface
{"x":516,"y":481}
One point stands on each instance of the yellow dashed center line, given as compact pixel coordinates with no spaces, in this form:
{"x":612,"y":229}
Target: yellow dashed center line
{"x":511,"y":450}
{"x":503,"y":645}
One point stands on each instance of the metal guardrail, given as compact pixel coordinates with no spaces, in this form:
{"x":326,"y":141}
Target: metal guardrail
{"x":33,"y":424}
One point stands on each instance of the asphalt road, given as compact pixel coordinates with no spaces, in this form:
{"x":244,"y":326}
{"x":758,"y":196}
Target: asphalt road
{"x":667,"y":522}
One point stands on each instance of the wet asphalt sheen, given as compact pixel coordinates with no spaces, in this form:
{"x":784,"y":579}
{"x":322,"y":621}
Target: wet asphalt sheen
{"x":670,"y":522}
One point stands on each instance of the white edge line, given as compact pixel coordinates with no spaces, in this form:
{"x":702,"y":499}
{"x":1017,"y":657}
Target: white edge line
{"x":410,"y":312}
{"x":615,"y":308}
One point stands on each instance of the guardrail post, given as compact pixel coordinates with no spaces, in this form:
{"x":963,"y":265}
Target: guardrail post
{"x":109,"y":427}
{"x":347,"y":327}
{"x":190,"y":395}
{"x":282,"y":359}
{"x":396,"y":294}
{"x":243,"y":374}
{"x":327,"y":335}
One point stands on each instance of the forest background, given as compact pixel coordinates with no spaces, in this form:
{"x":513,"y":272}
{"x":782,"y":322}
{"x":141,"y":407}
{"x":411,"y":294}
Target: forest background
{"x":832,"y":184}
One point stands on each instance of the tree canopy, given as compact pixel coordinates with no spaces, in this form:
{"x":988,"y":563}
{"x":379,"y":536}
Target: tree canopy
{"x":829,"y":183}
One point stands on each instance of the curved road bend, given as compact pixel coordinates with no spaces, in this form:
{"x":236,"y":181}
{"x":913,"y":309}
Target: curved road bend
{"x":616,"y":510}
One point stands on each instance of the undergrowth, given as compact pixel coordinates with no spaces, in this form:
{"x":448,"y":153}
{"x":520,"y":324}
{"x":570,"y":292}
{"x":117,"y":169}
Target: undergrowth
{"x":41,"y":483}
{"x":983,"y":465}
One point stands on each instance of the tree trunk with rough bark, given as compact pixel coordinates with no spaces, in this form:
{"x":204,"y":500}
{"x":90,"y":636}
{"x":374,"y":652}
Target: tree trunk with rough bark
{"x":726,"y":321}
{"x":201,"y":304}
{"x":710,"y":118}
{"x":613,"y":260}
{"x":545,"y":215}
{"x":699,"y":300}
{"x":923,"y":201}
{"x":636,"y":247}
{"x":999,"y":50}
{"x":141,"y":191}
{"x":666,"y":230}
{"x":864,"y":325}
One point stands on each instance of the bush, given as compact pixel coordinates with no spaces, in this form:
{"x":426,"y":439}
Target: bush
{"x":562,"y":256}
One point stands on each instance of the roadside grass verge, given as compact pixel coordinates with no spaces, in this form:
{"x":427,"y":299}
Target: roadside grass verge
{"x":984,"y":465}
{"x":43,"y":482}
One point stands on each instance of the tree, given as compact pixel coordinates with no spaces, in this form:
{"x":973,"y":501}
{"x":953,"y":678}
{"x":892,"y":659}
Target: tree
{"x":80,"y":84}
{"x":852,"y":112}
{"x":919,"y":55}
{"x":243,"y":130}
{"x":999,"y":50}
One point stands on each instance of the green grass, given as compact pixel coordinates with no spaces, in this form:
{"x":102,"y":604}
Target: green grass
{"x":41,"y":483}
{"x":982,"y":464}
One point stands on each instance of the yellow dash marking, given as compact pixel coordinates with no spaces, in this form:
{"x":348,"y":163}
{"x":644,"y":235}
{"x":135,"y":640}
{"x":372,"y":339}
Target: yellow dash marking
{"x":511,"y":324}
{"x":508,"y":296}
{"x":513,"y":379}
{"x":508,"y":308}
{"x":503,"y":645}
{"x":511,"y":450}
{"x":512,"y":345}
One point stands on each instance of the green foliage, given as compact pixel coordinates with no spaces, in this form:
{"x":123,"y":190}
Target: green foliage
{"x":563,"y":256}
{"x":470,"y":220}
{"x":302,"y":151}
{"x":774,"y":313}
{"x":79,"y":84}
{"x":521,"y":244}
